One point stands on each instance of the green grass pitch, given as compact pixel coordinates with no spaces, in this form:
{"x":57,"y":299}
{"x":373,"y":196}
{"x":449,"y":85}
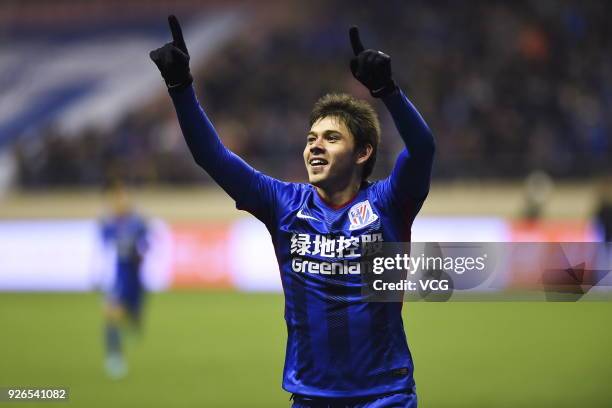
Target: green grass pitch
{"x":222,"y":349}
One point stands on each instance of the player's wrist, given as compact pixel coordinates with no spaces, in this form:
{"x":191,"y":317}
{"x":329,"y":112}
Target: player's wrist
{"x":182,"y":94}
{"x":387,"y":89}
{"x":177,"y":85}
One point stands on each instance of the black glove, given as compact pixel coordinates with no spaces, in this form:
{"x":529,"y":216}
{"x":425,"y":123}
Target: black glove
{"x":173,"y":59}
{"x":370,"y":67}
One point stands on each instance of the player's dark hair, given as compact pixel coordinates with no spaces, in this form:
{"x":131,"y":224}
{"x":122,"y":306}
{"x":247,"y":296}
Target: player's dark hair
{"x":358,"y":116}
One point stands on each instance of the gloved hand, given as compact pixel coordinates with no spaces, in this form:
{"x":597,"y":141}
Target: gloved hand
{"x":370,"y":67}
{"x":173,"y":58}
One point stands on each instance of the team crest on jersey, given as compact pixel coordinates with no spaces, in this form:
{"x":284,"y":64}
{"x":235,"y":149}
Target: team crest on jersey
{"x":361,"y":214}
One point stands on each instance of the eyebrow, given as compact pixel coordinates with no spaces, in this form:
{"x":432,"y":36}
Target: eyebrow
{"x":326,"y":132}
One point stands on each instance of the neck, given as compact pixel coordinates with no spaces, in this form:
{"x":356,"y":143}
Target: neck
{"x":339,"y":197}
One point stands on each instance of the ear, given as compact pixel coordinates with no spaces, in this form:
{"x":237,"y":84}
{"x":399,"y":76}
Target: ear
{"x":364,"y":154}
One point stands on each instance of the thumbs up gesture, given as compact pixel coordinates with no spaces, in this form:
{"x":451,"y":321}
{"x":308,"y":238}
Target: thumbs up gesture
{"x":173,"y":58}
{"x":370,"y":67}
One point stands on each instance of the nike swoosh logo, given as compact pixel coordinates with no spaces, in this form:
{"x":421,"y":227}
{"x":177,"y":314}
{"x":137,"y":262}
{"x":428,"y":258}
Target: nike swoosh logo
{"x":303,"y":216}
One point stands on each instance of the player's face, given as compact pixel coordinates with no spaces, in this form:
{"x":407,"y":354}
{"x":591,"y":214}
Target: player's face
{"x":120,"y":201}
{"x":330,"y":153}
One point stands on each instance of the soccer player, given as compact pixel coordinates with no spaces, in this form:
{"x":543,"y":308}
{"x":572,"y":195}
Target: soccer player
{"x":126,"y":232}
{"x":341,"y":351}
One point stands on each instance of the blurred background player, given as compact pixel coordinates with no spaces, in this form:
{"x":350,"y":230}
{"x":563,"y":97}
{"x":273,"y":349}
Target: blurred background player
{"x":125,"y":232}
{"x":538,"y":187}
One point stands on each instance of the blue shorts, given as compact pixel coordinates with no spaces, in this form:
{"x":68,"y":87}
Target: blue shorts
{"x":397,"y":400}
{"x":131,"y":302}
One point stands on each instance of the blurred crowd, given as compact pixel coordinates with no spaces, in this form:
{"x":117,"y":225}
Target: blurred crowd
{"x":507,"y":88}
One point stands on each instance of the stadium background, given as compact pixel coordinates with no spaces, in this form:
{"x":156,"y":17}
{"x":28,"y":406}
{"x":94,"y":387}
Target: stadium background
{"x":519,"y":96}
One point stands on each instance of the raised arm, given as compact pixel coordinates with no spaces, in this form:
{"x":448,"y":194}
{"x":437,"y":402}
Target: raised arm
{"x":251,"y":190}
{"x":412,"y":172}
{"x":228,"y":170}
{"x":411,"y":176}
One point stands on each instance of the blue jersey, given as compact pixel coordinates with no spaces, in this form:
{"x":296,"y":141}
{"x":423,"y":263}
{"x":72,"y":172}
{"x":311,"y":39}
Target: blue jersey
{"x":337,"y":345}
{"x":128,"y":235}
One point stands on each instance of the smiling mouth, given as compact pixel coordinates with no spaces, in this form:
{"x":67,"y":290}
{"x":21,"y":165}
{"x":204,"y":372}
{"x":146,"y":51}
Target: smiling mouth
{"x":317,"y":163}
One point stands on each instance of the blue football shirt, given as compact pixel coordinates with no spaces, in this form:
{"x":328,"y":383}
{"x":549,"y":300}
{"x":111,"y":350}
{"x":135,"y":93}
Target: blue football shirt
{"x":128,"y":235}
